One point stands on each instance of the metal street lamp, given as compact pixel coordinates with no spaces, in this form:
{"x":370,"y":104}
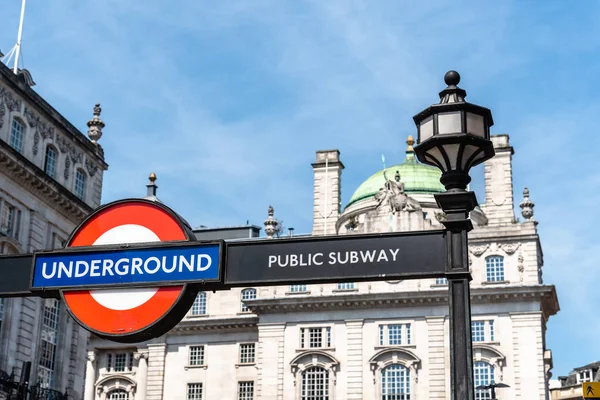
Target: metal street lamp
{"x":492,"y":387}
{"x":455,"y":136}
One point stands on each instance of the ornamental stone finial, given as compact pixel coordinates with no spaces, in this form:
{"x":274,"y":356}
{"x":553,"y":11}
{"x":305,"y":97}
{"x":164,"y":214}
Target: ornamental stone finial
{"x":271,"y":224}
{"x":95,"y":125}
{"x":527,"y":206}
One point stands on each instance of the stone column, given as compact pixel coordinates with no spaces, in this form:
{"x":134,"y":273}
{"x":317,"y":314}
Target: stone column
{"x":354,"y":348}
{"x":156,"y":371}
{"x":142,"y":374}
{"x":270,"y":362}
{"x":90,"y":376}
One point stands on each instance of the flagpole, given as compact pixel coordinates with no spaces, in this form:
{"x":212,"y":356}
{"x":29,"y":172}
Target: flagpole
{"x":19,"y":36}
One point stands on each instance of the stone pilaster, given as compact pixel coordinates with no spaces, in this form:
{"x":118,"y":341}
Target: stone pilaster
{"x":270,"y":359}
{"x":327,"y":191}
{"x":498,"y":183}
{"x":528,"y":356}
{"x":437,"y":358}
{"x":90,"y":376}
{"x":354,"y":367}
{"x":156,"y":371}
{"x":142,"y":374}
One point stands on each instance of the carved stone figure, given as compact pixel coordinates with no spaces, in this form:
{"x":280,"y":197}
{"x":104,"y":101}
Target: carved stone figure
{"x":393,"y":192}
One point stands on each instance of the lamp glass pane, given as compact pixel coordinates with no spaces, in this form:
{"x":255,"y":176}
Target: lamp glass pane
{"x":467,"y":153}
{"x":426,"y":129}
{"x":452,"y":153}
{"x":478,"y":159}
{"x":449,"y":122}
{"x":436,"y":154}
{"x":475,"y":124}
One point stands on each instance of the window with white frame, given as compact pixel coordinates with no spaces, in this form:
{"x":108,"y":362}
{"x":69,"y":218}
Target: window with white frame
{"x":247,"y":353}
{"x":315,"y":384}
{"x":395,"y":382}
{"x":395,"y":334}
{"x":298,"y":288}
{"x":119,"y":362}
{"x":199,"y":306}
{"x":80,"y":182}
{"x":194,"y":391}
{"x":9,"y":216}
{"x":482,"y":330}
{"x":584,"y":376}
{"x":50,"y":161}
{"x":494,"y":268}
{"x":17,"y":135}
{"x":315,"y":337}
{"x":441,"y":281}
{"x":118,"y":394}
{"x":48,"y":342}
{"x":483,"y":376}
{"x":246,"y":390}
{"x":196,"y":355}
{"x":346,"y":286}
{"x":247,"y":294}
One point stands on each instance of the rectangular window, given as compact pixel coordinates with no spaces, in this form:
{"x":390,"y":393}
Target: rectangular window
{"x":48,"y":342}
{"x":298,"y":288}
{"x":50,"y":162}
{"x":194,"y":391}
{"x":119,"y":362}
{"x":7,"y":220}
{"x":17,"y":133}
{"x":482,"y":331}
{"x":584,"y":376}
{"x":346,"y":286}
{"x":315,"y":337}
{"x":394,"y":334}
{"x":196,"y":355}
{"x":80,"y":185}
{"x":245,"y":390}
{"x":494,"y":267}
{"x":199,"y":306}
{"x":441,"y":281}
{"x":247,"y":351}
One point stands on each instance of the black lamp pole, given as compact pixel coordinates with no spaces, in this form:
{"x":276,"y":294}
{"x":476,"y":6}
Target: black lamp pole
{"x":454,"y":136}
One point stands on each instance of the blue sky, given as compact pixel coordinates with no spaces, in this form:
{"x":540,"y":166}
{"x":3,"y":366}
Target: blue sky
{"x":228,"y":101}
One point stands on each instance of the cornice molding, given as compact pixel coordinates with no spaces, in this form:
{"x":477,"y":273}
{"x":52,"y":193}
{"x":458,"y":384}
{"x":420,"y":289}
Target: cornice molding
{"x":19,"y":168}
{"x":544,"y":293}
{"x":188,"y":325}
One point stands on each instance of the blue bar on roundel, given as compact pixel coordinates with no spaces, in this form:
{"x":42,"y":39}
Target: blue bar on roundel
{"x":132,"y":266}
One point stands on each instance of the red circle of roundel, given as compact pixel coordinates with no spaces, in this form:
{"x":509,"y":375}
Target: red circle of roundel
{"x":104,"y":320}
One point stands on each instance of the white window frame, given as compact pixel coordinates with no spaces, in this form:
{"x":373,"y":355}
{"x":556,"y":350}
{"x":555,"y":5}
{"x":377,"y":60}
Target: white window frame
{"x":194,"y":305}
{"x":243,"y":391}
{"x":406,"y":333}
{"x":82,"y":195}
{"x":581,"y":376}
{"x":189,"y":386}
{"x":494,"y":272}
{"x":111,"y":361}
{"x":327,"y":338}
{"x":190,"y":363}
{"x":50,"y":172}
{"x":489,"y":330}
{"x":254,"y":295}
{"x":22,"y":132}
{"x":240,"y":353}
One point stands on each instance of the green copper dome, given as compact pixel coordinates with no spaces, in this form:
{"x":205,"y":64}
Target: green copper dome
{"x":417,"y":178}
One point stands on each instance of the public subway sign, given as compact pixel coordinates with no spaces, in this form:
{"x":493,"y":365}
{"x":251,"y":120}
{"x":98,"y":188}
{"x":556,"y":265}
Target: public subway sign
{"x":385,"y":256}
{"x":90,"y":268}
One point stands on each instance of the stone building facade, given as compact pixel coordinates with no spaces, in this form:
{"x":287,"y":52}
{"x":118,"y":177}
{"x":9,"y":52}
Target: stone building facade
{"x":50,"y":179}
{"x":368,"y":340}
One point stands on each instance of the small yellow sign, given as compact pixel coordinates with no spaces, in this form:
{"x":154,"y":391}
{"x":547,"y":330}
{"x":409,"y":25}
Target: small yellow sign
{"x":591,"y":390}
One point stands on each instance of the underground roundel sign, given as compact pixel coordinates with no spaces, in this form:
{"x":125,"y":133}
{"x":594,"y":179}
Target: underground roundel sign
{"x":130,"y":314}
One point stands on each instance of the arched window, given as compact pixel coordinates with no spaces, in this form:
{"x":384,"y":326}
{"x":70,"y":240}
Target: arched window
{"x":80,"y":182}
{"x":247,"y":294}
{"x":118,"y":394}
{"x":17,"y":135}
{"x":494,"y":268}
{"x":50,"y":161}
{"x":199,"y":306}
{"x":395,"y":382}
{"x":483,"y":375}
{"x":315,"y":384}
